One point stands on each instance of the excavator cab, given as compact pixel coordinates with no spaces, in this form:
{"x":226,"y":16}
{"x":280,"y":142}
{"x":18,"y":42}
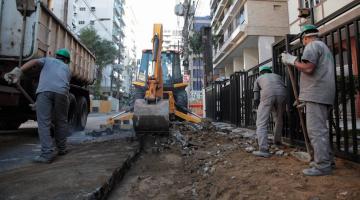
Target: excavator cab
{"x":170,"y":64}
{"x":171,"y":75}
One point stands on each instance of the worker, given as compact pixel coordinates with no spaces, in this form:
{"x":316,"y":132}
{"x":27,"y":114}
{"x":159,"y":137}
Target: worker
{"x":51,"y":101}
{"x":317,"y":93}
{"x":270,"y":96}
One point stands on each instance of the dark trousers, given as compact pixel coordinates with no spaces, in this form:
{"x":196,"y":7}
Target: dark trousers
{"x":52,"y":107}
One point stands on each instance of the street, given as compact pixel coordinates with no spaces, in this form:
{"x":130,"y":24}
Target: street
{"x":206,"y":161}
{"x":179,"y":100}
{"x":18,"y":148}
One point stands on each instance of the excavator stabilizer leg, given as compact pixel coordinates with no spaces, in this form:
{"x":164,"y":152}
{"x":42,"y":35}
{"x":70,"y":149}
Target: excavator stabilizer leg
{"x":151,"y":117}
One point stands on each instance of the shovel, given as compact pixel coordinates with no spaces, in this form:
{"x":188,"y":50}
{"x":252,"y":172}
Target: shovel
{"x":300,"y":107}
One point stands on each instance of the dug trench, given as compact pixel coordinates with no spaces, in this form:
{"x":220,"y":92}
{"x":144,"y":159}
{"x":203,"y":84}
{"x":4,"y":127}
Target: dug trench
{"x":213,"y":161}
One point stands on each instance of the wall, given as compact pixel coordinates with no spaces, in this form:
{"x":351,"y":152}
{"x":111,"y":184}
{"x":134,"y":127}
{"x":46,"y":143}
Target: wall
{"x":250,"y":58}
{"x":265,"y":47}
{"x":267,"y":18}
{"x":238,"y":63}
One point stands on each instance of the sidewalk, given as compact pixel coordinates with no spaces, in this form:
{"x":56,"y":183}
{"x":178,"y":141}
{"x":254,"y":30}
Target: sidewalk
{"x":88,"y":171}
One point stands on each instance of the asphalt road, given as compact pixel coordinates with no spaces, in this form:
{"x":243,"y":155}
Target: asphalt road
{"x":19,"y":147}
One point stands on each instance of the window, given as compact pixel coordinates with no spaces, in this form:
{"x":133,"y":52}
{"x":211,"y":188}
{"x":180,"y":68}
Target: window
{"x":240,"y":17}
{"x":92,"y":22}
{"x":92,"y":9}
{"x":197,"y":62}
{"x":197,"y":85}
{"x":309,"y":3}
{"x":197,"y":73}
{"x":82,"y":9}
{"x":230,"y":29}
{"x":81,"y":22}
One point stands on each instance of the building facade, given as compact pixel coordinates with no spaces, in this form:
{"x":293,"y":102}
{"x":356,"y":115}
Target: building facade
{"x":129,"y":63}
{"x":243,"y":32}
{"x":107,"y":18}
{"x":172,"y":39}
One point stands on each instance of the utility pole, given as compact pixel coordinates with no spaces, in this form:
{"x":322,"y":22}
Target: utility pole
{"x":66,"y":6}
{"x":207,"y":52}
{"x":185,"y":10}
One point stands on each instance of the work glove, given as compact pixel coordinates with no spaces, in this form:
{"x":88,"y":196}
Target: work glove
{"x":288,"y":59}
{"x":14,"y":76}
{"x":33,"y":106}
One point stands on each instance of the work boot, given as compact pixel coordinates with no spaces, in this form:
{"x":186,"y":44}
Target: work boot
{"x":313,"y":164}
{"x":264,"y":154}
{"x":317,"y":172}
{"x":42,"y":159}
{"x":62,"y":152}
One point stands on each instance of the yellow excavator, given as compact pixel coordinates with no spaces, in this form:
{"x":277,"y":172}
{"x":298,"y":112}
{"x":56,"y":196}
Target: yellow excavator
{"x":160,"y":94}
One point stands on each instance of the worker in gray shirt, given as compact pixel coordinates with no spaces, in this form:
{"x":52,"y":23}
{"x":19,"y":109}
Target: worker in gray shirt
{"x":269,"y":96}
{"x":317,"y":91}
{"x":51,"y":101}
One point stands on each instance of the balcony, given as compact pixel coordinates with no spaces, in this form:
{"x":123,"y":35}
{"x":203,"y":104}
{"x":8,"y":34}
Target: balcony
{"x":219,"y":10}
{"x":229,"y":42}
{"x":116,"y":21}
{"x":229,"y":15}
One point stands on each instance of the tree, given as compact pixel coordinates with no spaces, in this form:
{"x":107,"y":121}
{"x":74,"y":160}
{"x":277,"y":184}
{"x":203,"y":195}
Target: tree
{"x":196,"y":46}
{"x":104,"y":50}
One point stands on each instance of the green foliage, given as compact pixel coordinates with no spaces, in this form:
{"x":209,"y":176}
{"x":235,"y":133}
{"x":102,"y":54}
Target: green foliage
{"x":104,"y":50}
{"x":196,"y":43}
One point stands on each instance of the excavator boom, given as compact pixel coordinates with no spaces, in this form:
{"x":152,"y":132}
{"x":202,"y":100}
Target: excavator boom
{"x":151,"y":114}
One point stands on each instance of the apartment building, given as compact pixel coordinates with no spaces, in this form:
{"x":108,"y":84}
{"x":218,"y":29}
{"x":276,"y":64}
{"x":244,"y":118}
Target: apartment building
{"x":129,"y":63}
{"x":319,"y":10}
{"x":105,"y":16}
{"x":172,"y":39}
{"x":243,"y":32}
{"x":64,"y":10}
{"x":196,"y":61}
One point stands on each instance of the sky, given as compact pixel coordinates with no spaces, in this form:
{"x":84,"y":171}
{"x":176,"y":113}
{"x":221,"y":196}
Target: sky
{"x":148,"y":12}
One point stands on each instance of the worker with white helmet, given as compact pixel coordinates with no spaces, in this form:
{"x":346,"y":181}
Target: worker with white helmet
{"x":317,"y":91}
{"x":51,"y":101}
{"x":270,"y":96}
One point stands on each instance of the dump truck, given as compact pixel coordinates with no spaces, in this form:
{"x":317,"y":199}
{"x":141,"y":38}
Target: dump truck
{"x":28,"y":29}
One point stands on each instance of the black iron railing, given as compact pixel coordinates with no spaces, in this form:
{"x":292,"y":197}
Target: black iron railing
{"x":232,"y":100}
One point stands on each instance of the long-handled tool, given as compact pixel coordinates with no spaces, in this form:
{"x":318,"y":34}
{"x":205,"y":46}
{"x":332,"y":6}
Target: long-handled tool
{"x":26,"y":95}
{"x":309,"y":148}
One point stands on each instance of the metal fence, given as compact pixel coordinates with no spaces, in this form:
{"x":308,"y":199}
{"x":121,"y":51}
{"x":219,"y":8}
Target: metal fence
{"x":232,"y":100}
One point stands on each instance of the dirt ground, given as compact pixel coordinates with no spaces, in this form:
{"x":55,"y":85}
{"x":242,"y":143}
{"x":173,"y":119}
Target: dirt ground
{"x":210,"y":164}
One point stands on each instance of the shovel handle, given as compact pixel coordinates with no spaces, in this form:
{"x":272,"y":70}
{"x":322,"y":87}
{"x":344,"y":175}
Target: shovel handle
{"x":301,"y":116}
{"x":27,"y":96}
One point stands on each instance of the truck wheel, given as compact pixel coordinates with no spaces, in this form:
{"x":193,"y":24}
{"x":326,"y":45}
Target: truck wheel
{"x":181,"y":99}
{"x":72,"y":114}
{"x":82,"y":113}
{"x":10,"y":125}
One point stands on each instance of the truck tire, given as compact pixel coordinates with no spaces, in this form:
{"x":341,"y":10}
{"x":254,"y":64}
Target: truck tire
{"x":72,"y":114}
{"x":82,"y":113}
{"x":181,"y":99}
{"x":10,"y":125}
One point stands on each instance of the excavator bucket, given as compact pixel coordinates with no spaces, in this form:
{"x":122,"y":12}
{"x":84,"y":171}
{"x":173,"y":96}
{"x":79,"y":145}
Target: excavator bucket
{"x":152,"y":118}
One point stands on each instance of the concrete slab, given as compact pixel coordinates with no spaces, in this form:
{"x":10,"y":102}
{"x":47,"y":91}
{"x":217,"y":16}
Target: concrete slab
{"x":88,"y":171}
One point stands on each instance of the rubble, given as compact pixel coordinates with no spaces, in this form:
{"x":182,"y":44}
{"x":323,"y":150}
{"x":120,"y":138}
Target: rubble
{"x":279,"y":153}
{"x":302,"y":156}
{"x":250,"y":149}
